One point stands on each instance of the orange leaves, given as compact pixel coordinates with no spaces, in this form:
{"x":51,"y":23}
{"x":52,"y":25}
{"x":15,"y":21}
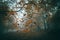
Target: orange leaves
{"x":26,"y":30}
{"x":12,"y":12}
{"x":28,"y":22}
